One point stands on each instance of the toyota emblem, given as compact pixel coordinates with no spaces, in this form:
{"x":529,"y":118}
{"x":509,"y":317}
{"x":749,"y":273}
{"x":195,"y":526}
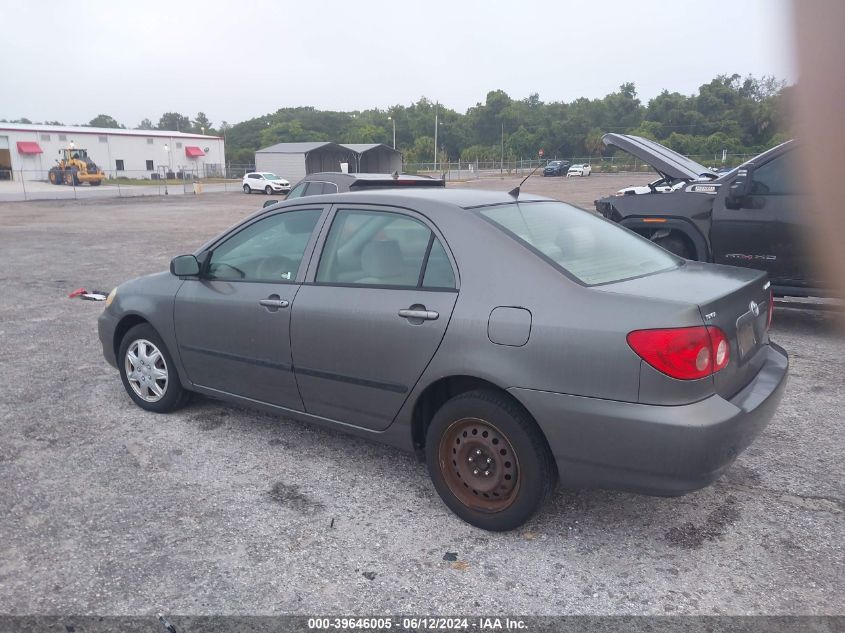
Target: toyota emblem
{"x":755,"y":309}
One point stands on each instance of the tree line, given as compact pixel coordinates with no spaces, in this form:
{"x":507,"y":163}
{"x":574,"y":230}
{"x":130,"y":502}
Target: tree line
{"x":740,"y":115}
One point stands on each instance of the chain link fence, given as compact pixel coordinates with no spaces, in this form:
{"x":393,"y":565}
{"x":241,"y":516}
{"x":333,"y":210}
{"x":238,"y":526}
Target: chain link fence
{"x":19,"y":185}
{"x":622,"y":163}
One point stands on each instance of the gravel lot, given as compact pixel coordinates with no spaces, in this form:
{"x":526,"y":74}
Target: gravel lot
{"x":219,"y":510}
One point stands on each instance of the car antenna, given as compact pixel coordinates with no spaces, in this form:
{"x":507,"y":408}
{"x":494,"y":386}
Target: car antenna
{"x":515,"y":191}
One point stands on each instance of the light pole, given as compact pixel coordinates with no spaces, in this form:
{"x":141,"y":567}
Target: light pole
{"x":502,"y":162}
{"x":167,"y":169}
{"x":435,"y":136}
{"x":390,"y":118}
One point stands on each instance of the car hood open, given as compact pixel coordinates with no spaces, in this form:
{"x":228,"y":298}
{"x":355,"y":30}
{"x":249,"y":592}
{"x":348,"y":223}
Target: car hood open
{"x":668,"y":163}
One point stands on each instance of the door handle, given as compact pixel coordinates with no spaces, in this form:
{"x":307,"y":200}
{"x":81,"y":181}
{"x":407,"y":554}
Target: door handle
{"x":273,"y":303}
{"x":425,"y":315}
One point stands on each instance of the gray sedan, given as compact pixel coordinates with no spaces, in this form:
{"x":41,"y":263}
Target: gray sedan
{"x":512,"y":340}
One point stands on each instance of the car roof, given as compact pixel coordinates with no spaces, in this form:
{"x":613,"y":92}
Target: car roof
{"x":362,"y":176}
{"x":464,"y":198}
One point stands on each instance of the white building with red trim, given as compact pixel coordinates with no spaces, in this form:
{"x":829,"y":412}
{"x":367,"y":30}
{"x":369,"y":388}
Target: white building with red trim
{"x":29,"y":151}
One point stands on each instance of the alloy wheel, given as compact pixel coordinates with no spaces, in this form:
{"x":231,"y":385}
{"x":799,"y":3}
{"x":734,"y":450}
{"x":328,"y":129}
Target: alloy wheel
{"x":146,"y":370}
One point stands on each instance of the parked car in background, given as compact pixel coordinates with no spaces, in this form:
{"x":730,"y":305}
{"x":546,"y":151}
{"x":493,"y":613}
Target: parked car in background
{"x":265,"y":181}
{"x":335,"y":182}
{"x":579,"y":170}
{"x":756,"y":215}
{"x":656,"y":186}
{"x":556,"y":168}
{"x":441,"y":321}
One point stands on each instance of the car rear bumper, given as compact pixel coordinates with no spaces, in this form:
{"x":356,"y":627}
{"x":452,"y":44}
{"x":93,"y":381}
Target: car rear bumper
{"x":106,"y":326}
{"x":659,"y":450}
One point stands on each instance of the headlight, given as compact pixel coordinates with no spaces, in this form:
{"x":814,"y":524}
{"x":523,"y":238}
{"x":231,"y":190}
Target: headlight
{"x":111,"y":297}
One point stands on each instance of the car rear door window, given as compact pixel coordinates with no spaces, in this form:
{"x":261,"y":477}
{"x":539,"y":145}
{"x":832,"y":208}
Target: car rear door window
{"x":586,"y":247}
{"x":268,"y":250}
{"x":438,"y":268}
{"x":381,"y":248}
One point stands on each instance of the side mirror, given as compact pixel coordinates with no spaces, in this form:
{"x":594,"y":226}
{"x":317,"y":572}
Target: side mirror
{"x":184,"y":266}
{"x":741,"y":185}
{"x":739,"y":188}
{"x":268,"y":203}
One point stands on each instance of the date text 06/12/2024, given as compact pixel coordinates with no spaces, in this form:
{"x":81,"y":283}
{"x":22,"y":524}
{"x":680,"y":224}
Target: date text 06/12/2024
{"x":416,"y":623}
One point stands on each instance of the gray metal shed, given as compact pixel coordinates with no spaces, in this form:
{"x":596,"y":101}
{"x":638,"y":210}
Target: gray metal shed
{"x":294,"y":160}
{"x":375,"y":158}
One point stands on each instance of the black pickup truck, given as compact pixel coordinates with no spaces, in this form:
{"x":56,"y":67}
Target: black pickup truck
{"x":755,"y":215}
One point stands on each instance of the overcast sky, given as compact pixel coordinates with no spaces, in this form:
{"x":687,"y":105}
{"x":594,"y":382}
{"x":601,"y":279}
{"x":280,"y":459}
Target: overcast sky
{"x":237,"y":60}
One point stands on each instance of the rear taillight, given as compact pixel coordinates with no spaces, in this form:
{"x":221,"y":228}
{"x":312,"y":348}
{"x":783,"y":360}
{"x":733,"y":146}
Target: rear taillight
{"x":685,"y":353}
{"x":771,"y":310}
{"x":721,"y":348}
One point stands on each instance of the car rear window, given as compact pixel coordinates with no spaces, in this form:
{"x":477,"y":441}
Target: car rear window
{"x":586,"y":247}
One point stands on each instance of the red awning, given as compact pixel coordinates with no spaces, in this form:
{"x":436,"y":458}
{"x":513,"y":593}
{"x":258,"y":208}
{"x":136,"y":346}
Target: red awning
{"x":29,"y":147}
{"x":193,"y":152}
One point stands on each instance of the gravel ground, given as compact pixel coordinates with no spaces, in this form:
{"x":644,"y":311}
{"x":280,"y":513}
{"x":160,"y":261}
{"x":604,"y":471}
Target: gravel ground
{"x":219,"y":510}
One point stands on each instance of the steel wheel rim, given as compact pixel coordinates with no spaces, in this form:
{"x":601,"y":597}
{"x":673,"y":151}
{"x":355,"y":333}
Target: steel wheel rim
{"x":146,"y":370}
{"x":479,"y":465}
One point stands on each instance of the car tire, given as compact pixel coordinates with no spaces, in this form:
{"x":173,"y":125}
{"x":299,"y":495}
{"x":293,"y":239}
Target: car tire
{"x":268,"y":190}
{"x":143,"y":377}
{"x":676,"y":245}
{"x":247,"y":189}
{"x":520,"y":471}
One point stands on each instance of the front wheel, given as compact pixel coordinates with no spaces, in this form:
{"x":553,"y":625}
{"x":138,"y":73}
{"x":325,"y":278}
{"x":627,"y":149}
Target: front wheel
{"x":148,"y":372}
{"x":488,"y":460}
{"x":268,"y":190}
{"x":247,"y":189}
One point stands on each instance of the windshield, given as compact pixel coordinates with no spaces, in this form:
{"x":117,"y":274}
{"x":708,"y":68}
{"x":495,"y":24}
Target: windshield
{"x":270,"y":176}
{"x":554,"y":163}
{"x":585,"y":246}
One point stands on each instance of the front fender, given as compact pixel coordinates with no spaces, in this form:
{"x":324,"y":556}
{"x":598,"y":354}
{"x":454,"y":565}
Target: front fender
{"x":682,"y":225}
{"x":151,"y":298}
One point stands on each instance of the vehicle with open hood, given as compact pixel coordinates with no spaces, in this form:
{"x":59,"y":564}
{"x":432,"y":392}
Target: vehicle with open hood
{"x":755,"y":215}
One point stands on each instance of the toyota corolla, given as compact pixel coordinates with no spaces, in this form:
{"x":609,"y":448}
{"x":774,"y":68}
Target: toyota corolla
{"x":513,"y":341}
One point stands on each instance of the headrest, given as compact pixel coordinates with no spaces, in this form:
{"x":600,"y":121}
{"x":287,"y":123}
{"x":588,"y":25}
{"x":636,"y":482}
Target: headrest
{"x":382,"y":259}
{"x":575,"y":241}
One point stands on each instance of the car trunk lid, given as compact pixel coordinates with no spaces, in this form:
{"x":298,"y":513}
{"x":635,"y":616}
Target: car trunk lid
{"x":736,"y":300}
{"x":668,"y":163}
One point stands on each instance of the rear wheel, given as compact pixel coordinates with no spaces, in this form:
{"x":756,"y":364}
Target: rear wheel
{"x":675,"y":243}
{"x":147,"y":371}
{"x":247,"y":189}
{"x":488,"y":460}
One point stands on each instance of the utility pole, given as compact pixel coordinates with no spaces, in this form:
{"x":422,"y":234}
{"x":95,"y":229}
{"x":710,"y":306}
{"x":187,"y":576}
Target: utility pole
{"x":502,"y":162}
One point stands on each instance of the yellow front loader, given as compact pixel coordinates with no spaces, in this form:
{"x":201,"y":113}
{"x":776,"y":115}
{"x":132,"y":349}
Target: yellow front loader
{"x":74,"y":168}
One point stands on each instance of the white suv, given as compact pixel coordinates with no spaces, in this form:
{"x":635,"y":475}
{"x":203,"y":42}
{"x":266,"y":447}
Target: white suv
{"x":579,"y":170}
{"x":265,"y":181}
